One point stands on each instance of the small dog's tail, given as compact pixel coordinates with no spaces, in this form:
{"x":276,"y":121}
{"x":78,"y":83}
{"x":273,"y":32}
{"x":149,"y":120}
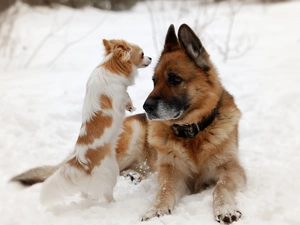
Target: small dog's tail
{"x":64,"y":182}
{"x":35,"y":175}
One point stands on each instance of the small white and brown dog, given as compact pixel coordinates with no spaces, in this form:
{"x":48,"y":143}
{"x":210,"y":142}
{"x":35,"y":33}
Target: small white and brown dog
{"x":92,"y":168}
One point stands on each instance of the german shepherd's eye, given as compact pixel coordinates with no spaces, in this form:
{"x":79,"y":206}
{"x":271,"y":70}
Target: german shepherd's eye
{"x":173,"y":79}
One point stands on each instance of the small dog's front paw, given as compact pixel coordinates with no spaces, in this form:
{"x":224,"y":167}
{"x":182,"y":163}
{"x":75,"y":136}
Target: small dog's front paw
{"x":129,"y":107}
{"x":156,"y":212}
{"x":226,"y":215}
{"x":132,"y":109}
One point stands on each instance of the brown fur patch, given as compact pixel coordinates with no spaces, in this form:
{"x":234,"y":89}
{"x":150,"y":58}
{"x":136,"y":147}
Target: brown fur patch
{"x":95,"y":128}
{"x":94,"y":156}
{"x":106,"y":102}
{"x":73,"y":162}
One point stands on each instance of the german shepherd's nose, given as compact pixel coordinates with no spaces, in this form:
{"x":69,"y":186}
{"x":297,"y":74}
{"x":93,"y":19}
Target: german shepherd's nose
{"x":150,"y":105}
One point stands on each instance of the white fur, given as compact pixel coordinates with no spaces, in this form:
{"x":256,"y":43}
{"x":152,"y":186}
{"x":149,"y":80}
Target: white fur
{"x":102,"y":179}
{"x":69,"y":180}
{"x":104,"y":82}
{"x":146,"y":61}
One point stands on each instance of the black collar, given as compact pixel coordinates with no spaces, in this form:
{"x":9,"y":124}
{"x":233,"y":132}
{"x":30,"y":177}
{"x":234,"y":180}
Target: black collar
{"x":191,"y":130}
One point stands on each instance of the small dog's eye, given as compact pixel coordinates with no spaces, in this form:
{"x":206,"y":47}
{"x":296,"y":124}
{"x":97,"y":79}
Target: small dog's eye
{"x":174,"y":79}
{"x":142,"y":54}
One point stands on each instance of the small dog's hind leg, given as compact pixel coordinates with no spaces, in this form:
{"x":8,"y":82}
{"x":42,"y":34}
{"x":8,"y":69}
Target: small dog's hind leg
{"x":109,"y":197}
{"x":84,"y":195}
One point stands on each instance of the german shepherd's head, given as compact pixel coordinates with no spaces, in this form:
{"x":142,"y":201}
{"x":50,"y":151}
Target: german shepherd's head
{"x":186,"y":84}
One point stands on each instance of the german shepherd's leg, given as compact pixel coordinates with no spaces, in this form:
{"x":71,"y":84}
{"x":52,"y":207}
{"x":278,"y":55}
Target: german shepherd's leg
{"x":135,"y":158}
{"x":231,"y":179}
{"x":134,"y":176}
{"x":172,"y":187}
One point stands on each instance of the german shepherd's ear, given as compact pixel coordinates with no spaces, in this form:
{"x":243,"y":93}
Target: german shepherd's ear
{"x":171,"y":42}
{"x":193,"y":47}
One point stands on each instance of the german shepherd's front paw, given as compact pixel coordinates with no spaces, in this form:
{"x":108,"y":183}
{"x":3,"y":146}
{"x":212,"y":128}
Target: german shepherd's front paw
{"x":134,"y":176}
{"x":156,"y":212}
{"x":227,"y":215}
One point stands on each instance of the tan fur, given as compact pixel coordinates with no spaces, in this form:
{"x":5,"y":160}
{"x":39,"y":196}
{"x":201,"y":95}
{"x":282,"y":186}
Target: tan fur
{"x":133,"y":150}
{"x":136,"y":54}
{"x":73,"y":162}
{"x":95,"y":156}
{"x":125,"y":139}
{"x":106,"y":102}
{"x":93,"y":130}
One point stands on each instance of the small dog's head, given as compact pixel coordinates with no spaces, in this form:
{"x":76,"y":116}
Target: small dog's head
{"x":126,"y":52}
{"x":138,"y":58}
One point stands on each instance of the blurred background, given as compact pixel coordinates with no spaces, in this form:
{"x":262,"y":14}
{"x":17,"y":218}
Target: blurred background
{"x":27,"y":28}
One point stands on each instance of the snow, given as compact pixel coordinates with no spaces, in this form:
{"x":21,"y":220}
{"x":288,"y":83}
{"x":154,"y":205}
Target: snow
{"x":40,"y":106}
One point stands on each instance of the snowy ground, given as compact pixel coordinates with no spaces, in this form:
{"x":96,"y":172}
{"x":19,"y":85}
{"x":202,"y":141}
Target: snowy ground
{"x":40,"y":106}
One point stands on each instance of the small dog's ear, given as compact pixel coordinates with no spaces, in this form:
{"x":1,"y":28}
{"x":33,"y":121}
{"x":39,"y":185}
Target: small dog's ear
{"x":171,"y":42}
{"x":107,"y":46}
{"x":124,"y":52}
{"x":193,"y":46}
{"x":123,"y":46}
{"x":127,"y":49}
{"x":125,"y":56}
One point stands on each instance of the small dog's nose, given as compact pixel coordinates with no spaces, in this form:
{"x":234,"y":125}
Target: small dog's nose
{"x":150,"y":58}
{"x":150,"y":105}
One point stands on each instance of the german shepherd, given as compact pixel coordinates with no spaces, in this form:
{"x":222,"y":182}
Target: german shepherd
{"x":189,"y":134}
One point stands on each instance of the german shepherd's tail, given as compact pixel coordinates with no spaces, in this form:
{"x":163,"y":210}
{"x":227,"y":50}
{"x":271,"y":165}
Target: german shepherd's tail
{"x":35,"y":175}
